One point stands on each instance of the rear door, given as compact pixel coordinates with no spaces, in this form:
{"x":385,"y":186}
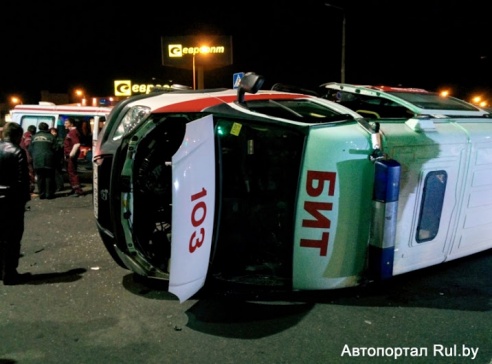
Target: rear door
{"x":27,"y":120}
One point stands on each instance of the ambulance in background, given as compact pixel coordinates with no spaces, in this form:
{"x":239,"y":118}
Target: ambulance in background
{"x":89,"y":119}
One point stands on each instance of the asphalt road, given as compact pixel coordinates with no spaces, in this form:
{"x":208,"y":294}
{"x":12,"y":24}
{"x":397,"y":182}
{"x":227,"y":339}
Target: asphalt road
{"x":80,"y":307}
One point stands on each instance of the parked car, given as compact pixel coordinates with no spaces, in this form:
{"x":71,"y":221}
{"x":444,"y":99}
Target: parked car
{"x":283,"y":191}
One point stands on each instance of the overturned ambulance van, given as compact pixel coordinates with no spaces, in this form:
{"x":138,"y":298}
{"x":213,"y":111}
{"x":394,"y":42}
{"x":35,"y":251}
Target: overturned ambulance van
{"x":283,"y":191}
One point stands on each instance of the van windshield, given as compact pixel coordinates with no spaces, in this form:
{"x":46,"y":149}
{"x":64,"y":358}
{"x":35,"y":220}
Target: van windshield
{"x":432,"y":101}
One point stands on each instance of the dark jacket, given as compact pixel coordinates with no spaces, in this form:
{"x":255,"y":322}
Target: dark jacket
{"x":14,"y":174}
{"x":43,"y":148}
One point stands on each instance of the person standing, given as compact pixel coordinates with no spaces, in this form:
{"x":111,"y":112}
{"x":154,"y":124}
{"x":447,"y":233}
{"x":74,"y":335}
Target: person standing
{"x":58,"y":160}
{"x":71,"y":150}
{"x":25,"y":142}
{"x":14,"y":194}
{"x":42,"y":150}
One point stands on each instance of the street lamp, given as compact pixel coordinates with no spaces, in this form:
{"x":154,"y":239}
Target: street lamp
{"x":80,"y":94}
{"x":344,"y":21}
{"x":476,"y":100}
{"x":15,"y":100}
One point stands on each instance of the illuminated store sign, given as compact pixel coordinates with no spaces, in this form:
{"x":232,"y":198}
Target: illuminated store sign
{"x":126,"y":88}
{"x":178,"y":50}
{"x":205,"y":51}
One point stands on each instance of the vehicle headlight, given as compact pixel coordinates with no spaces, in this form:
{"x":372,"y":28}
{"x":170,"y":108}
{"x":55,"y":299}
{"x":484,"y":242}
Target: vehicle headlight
{"x":133,"y":117}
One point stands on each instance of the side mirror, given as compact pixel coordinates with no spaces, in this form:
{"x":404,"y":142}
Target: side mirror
{"x":251,"y":82}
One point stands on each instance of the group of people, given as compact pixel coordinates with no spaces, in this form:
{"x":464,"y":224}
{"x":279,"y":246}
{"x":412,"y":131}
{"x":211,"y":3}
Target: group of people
{"x":46,"y":156}
{"x":26,"y":159}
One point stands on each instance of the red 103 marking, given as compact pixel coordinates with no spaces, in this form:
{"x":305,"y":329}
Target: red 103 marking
{"x":198,"y":215}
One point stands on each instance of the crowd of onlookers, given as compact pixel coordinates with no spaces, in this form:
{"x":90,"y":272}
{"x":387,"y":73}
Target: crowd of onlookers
{"x":32,"y":158}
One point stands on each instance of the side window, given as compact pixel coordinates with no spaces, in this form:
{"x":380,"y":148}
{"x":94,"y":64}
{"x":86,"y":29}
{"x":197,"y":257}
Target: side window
{"x":85,"y":130}
{"x":60,"y":126}
{"x":431,"y":206}
{"x":35,"y":120}
{"x":97,"y":125}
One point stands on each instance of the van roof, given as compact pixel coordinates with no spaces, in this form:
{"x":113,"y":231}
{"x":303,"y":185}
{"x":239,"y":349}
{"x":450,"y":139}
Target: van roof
{"x":65,"y":108}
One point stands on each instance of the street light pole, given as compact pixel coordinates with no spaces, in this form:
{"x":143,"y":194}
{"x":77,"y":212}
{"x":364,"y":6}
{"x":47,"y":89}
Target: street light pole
{"x":194,"y":72}
{"x":344,"y":23}
{"x":202,"y":51}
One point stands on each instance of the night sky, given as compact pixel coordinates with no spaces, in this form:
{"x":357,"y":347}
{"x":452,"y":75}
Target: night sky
{"x":427,"y":44}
